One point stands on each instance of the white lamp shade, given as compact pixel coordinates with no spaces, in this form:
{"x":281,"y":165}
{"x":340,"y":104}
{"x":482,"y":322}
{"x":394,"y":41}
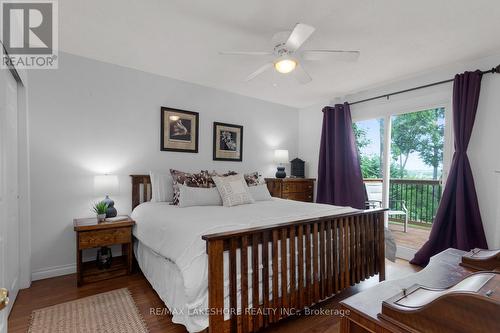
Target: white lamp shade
{"x":106,"y":185}
{"x":281,"y":156}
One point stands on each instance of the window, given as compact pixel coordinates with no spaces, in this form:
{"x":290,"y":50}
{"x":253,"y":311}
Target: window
{"x":370,"y":141}
{"x":415,"y":165}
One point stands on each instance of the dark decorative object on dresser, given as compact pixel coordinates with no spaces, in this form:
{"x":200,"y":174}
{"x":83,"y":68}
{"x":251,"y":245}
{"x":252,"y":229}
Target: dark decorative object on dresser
{"x":228,"y":142}
{"x":179,"y":130}
{"x":300,"y":189}
{"x":297,"y":168}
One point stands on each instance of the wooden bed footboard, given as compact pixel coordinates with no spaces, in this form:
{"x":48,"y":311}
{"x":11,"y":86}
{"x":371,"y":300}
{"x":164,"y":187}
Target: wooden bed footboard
{"x":329,"y":254}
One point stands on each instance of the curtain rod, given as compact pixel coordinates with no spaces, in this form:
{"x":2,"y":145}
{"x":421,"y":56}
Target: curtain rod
{"x":491,"y":71}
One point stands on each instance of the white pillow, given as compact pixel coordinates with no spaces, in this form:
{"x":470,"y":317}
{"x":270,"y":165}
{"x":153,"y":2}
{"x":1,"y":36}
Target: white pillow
{"x":233,"y":190}
{"x":260,"y":192}
{"x":162,"y":187}
{"x":198,"y":196}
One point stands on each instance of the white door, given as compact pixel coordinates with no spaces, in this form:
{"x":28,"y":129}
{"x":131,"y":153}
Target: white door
{"x":9,"y":209}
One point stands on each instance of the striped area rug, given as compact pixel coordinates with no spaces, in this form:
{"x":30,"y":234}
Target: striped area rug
{"x":110,"y":312}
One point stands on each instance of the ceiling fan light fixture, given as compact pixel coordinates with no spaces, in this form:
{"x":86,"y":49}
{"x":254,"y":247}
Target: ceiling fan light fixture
{"x":285,"y":66}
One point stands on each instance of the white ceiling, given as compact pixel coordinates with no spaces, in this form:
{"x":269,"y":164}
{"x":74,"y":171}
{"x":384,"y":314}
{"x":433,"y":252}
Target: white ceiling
{"x":181,"y":39}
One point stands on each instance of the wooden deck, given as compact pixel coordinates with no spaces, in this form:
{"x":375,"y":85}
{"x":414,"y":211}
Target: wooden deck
{"x":414,"y":238}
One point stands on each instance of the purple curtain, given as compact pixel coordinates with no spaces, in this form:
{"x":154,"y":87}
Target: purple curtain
{"x":339,"y":174}
{"x":458,"y":220}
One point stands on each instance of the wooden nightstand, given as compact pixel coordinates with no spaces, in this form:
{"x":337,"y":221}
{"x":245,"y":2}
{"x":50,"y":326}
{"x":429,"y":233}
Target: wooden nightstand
{"x":91,"y":234}
{"x":300,"y":189}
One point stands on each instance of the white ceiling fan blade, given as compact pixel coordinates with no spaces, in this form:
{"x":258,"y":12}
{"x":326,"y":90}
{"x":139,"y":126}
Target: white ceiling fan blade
{"x":301,"y":75}
{"x":337,"y":55}
{"x":299,"y":35}
{"x":259,"y":71}
{"x":245,"y":53}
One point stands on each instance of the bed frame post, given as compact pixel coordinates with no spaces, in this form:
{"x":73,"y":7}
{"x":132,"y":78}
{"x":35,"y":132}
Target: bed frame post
{"x":137,"y":181}
{"x":381,"y":243}
{"x":215,"y":250}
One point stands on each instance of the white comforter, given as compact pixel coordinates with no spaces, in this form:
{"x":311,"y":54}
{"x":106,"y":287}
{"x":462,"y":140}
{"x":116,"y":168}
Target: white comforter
{"x":175,"y":233}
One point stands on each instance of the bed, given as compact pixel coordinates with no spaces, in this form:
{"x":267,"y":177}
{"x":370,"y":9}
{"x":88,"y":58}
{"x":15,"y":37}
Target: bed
{"x":201,"y":260}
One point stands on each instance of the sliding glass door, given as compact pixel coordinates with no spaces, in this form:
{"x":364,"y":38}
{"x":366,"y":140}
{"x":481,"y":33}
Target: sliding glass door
{"x":369,"y":136}
{"x":402,"y":161}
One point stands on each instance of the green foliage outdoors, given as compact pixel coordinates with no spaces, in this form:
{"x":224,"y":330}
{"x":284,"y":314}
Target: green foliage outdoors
{"x":371,"y":165}
{"x":419,"y":132}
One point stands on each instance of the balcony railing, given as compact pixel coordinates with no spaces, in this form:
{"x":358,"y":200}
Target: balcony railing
{"x":421,"y":198}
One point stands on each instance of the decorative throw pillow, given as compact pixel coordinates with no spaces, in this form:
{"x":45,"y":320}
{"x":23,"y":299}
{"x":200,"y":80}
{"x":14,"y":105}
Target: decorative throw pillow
{"x":260,"y":192}
{"x":201,"y":179}
{"x":233,"y":190}
{"x":198,"y":196}
{"x":162,"y":188}
{"x":252,"y":179}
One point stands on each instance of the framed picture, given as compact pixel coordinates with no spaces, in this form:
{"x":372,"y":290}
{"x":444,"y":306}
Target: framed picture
{"x":228,"y":142}
{"x":179,"y":130}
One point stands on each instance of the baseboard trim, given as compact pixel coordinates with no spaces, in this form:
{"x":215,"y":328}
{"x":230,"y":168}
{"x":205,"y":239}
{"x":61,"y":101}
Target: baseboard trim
{"x":54,"y":271}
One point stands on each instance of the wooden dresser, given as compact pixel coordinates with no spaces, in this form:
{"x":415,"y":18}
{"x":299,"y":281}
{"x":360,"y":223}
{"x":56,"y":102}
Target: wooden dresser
{"x":300,"y":189}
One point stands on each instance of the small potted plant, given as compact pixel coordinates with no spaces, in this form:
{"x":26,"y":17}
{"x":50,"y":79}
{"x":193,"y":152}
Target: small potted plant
{"x":100,"y":209}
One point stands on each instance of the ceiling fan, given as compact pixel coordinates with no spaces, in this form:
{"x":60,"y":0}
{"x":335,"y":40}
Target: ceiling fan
{"x":288,"y":58}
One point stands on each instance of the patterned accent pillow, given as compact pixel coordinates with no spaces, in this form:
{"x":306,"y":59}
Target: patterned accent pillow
{"x":202,"y":179}
{"x":252,"y":179}
{"x":233,"y":190}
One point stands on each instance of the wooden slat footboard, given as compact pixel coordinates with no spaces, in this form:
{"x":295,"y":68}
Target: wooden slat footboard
{"x":298,"y":264}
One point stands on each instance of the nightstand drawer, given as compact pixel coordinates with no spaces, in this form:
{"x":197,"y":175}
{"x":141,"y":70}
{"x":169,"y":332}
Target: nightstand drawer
{"x":90,"y":239}
{"x":293,"y":187}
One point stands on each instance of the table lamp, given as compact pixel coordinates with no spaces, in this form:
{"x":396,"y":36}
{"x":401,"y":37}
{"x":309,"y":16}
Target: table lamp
{"x":281,"y":157}
{"x":107,"y":185}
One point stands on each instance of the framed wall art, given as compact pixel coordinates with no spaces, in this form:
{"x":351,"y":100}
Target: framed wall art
{"x":179,"y":130}
{"x":228,"y":142}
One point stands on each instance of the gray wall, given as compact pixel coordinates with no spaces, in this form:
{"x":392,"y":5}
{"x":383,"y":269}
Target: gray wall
{"x":90,"y":117}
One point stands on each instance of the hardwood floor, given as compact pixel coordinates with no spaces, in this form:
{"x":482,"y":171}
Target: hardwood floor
{"x":53,"y":291}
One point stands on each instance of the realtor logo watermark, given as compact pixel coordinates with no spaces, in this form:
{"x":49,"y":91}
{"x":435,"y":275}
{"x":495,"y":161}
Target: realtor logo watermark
{"x":29,"y":34}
